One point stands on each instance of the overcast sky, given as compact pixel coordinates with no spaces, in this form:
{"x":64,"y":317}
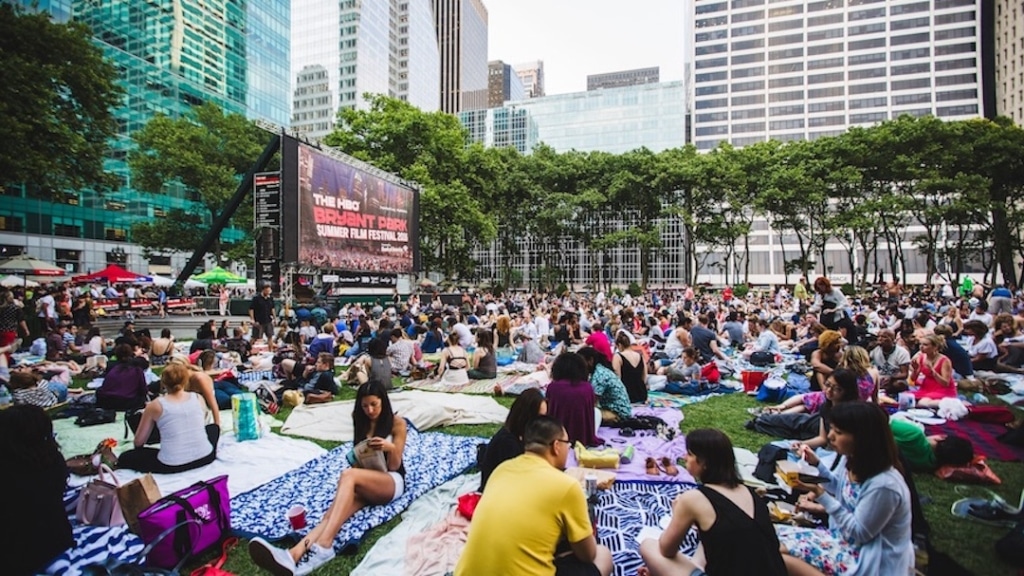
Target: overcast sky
{"x":575,"y":38}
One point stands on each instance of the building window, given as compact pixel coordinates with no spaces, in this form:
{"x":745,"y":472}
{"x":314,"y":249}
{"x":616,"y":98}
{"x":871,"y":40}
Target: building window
{"x":825,"y":20}
{"x":116,"y":234}
{"x":866,"y":14}
{"x":826,"y":106}
{"x":867,"y":88}
{"x":712,"y":130}
{"x":712,"y":77}
{"x":968,"y":32}
{"x":748,"y":127}
{"x":957,"y":79}
{"x":12,"y":224}
{"x":922,"y":68}
{"x":826,"y":121}
{"x":866,"y":29}
{"x":117,"y":256}
{"x":834,"y":92}
{"x":867,"y":103}
{"x":709,"y":22}
{"x":909,"y":39}
{"x":788,"y":39}
{"x":712,"y":63}
{"x":910,"y":8}
{"x":704,"y":50}
{"x":956,"y":48}
{"x":786,"y":96}
{"x":955,"y":17}
{"x":715,"y":103}
{"x":912,"y":84}
{"x":825,"y":63}
{"x":786,"y":124}
{"x":963,"y":110}
{"x":911,"y":54}
{"x":748,"y":114}
{"x":826,"y":5}
{"x":748,"y":44}
{"x":956,"y":95}
{"x":867,"y":44}
{"x":713,"y":117}
{"x":8,"y":251}
{"x":786,"y":110}
{"x":709,"y":8}
{"x":785,"y":54}
{"x":748,"y":86}
{"x":784,"y":68}
{"x":69,"y":260}
{"x":824,"y":78}
{"x":748,"y":72}
{"x":786,"y":25}
{"x":905,"y":99}
{"x":69,"y":230}
{"x":748,"y":100}
{"x":748,"y":58}
{"x":786,"y":82}
{"x":908,"y":24}
{"x":956,"y":64}
{"x":865,"y":73}
{"x":825,"y":49}
{"x":748,"y":16}
{"x":826,"y":34}
{"x":866,"y":58}
{"x":712,"y":35}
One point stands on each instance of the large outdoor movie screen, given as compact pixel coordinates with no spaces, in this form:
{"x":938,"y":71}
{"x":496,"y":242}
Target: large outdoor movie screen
{"x":350,"y":219}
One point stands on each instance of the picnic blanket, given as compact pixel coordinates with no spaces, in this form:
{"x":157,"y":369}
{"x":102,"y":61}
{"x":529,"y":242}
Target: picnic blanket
{"x":430,"y":460}
{"x":333,"y":420}
{"x":75,"y":440}
{"x":645,"y":443}
{"x":629,"y":507}
{"x":471,"y":387}
{"x":247,"y":464}
{"x":983,"y":436}
{"x":659,"y":399}
{"x":391,"y":554}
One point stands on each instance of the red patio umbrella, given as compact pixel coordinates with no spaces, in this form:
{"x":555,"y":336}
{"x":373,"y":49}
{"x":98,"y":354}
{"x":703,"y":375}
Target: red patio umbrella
{"x":112,"y":274}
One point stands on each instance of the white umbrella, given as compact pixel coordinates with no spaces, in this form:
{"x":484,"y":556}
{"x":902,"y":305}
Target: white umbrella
{"x":12,"y":280}
{"x":165,"y":281}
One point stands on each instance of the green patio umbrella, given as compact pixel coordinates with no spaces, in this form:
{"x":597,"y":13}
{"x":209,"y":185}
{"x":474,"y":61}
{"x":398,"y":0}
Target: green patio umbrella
{"x":218,"y":275}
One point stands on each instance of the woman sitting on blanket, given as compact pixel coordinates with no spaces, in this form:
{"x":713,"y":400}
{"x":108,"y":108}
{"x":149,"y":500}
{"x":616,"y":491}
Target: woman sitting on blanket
{"x":373,"y":419}
{"x":485,"y":362}
{"x":571,"y":398}
{"x":736,"y":533}
{"x":866,"y":498}
{"x":855,"y":359}
{"x":453,"y":366}
{"x":507,"y":443}
{"x":186,"y":442}
{"x":199,"y":382}
{"x":612,"y":398}
{"x":36,"y":529}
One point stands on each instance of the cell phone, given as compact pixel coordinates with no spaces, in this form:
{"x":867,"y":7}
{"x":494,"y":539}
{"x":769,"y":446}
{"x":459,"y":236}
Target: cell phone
{"x":811,"y":479}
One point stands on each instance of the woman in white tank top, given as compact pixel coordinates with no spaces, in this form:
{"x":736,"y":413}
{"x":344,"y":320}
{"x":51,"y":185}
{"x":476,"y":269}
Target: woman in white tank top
{"x":186,"y":442}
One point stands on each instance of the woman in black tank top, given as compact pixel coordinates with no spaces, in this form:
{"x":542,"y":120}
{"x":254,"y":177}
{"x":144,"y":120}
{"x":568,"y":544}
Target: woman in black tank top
{"x":736,"y":534}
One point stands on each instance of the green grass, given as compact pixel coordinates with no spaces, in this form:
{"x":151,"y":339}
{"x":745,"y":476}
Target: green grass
{"x":969,"y":543}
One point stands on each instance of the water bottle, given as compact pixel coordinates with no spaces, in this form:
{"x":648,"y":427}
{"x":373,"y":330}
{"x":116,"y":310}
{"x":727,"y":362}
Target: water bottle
{"x":5,"y":397}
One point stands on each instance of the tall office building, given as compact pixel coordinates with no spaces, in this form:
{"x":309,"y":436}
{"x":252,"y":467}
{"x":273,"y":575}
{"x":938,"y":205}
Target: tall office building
{"x":347,"y":49}
{"x":532,"y":76}
{"x":793,"y":69}
{"x":624,"y":78}
{"x":461,"y":27}
{"x":170,"y":56}
{"x":503,"y":85}
{"x":1009,"y":59}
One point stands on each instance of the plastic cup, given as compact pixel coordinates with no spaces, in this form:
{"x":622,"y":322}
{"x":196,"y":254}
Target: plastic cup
{"x":296,"y":516}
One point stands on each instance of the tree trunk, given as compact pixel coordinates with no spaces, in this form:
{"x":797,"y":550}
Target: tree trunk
{"x":1002,"y":239}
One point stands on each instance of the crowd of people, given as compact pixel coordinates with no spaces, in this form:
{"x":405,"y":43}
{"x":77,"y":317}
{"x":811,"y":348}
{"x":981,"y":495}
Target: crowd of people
{"x":860,"y":351}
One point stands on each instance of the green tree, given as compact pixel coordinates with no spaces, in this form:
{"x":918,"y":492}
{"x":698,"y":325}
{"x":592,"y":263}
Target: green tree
{"x":55,"y":103}
{"x":178,"y":231}
{"x":428,"y":148}
{"x":206,"y":152}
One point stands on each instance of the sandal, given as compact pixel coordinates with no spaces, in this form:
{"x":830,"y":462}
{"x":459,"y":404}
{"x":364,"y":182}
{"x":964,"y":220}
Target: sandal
{"x":669,"y":467}
{"x":652,"y":466}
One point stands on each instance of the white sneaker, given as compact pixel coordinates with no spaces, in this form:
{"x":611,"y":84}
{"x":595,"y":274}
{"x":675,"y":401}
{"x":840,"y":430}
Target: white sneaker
{"x":277,"y":561}
{"x":314,"y":558}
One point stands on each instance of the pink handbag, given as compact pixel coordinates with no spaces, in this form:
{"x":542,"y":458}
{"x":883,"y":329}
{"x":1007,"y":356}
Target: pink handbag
{"x":98,"y":504}
{"x":208,"y":503}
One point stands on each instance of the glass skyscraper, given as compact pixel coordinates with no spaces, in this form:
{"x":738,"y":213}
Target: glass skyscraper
{"x":347,"y":49}
{"x":462,"y":40}
{"x":171,"y":55}
{"x":609,"y":120}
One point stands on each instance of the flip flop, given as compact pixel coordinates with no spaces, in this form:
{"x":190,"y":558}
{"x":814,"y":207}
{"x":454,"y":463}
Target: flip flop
{"x":669,"y":467}
{"x":652,"y":466}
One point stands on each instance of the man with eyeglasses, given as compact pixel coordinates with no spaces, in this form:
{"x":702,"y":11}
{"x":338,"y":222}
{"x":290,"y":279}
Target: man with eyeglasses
{"x":533,"y":518}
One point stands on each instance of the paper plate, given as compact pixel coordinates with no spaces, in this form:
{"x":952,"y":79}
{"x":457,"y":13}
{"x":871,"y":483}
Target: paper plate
{"x":930,"y":421}
{"x":921,"y":413}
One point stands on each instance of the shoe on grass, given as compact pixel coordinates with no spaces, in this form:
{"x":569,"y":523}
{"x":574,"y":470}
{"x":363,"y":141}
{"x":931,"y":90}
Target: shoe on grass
{"x":277,"y":561}
{"x":314,"y":558}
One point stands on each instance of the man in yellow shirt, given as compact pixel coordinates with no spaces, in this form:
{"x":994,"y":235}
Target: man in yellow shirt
{"x":533,"y":519}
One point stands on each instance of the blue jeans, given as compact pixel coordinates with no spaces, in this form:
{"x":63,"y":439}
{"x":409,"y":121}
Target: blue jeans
{"x":57,"y":389}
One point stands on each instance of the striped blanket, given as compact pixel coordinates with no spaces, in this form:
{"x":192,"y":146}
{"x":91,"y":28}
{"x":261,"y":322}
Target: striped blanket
{"x":430,"y":460}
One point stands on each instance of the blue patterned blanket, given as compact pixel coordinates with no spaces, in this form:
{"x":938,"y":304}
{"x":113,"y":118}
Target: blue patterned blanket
{"x":430,"y":459}
{"x":625,"y":509}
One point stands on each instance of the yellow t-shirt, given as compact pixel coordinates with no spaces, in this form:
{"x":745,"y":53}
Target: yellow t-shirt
{"x":528,"y":507}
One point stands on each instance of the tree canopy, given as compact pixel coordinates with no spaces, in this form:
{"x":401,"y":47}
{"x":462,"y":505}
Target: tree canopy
{"x":56,"y":103}
{"x":205,"y":152}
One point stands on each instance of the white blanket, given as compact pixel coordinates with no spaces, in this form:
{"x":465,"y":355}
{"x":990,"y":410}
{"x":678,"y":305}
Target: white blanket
{"x":248,"y":464}
{"x":333,"y":421}
{"x":388,"y":555}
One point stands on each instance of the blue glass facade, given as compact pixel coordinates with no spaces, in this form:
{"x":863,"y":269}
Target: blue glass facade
{"x":170,"y":55}
{"x":610,"y":120}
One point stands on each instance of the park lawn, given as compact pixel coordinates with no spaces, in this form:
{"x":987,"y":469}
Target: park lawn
{"x":969,"y":543}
